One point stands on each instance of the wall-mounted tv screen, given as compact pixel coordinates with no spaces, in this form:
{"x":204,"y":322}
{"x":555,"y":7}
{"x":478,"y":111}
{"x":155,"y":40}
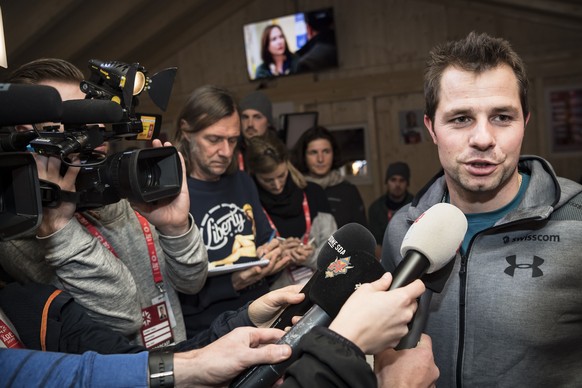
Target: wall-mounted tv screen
{"x":299,"y":43}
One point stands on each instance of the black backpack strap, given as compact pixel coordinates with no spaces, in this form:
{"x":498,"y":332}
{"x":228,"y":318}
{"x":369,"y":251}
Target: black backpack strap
{"x":35,"y":310}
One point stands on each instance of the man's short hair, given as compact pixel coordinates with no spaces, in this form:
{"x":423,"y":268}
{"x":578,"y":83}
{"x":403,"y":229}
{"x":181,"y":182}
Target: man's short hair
{"x":46,"y":69}
{"x":476,"y":53}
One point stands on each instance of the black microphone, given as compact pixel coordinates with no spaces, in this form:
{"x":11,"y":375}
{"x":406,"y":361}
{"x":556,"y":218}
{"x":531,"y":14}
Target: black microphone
{"x":91,"y":112}
{"x":428,"y":248}
{"x":29,"y":104}
{"x":16,"y":141}
{"x":330,"y":290}
{"x":349,"y":238}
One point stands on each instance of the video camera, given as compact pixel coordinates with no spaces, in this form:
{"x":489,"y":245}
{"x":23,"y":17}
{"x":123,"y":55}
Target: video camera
{"x":141,"y":175}
{"x":20,"y":198}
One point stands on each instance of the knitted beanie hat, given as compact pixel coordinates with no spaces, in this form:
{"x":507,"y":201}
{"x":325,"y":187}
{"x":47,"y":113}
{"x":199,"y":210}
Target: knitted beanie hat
{"x":398,"y":168}
{"x":260,"y":102}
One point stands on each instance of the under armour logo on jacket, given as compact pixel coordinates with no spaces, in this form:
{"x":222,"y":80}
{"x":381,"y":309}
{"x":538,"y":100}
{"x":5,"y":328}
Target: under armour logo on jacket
{"x":535,"y":266}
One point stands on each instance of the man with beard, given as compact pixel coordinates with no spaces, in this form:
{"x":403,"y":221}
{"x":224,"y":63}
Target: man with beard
{"x":226,"y":207}
{"x":381,"y":210}
{"x":256,"y":120}
{"x":510,"y":313}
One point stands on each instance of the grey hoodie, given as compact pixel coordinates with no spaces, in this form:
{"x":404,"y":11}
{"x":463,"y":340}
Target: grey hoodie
{"x":112,"y":290}
{"x":510,"y":314}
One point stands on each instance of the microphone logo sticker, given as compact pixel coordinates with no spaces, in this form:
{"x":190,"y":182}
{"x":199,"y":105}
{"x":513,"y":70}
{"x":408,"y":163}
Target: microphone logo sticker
{"x":338,"y":267}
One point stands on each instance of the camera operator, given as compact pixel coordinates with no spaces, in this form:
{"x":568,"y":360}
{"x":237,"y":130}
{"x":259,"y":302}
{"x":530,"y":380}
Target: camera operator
{"x":117,"y":262}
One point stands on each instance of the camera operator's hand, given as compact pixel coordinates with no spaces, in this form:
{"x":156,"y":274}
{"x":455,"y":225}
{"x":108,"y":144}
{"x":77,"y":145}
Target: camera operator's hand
{"x":241,"y":348}
{"x":169,"y":216}
{"x":54,"y":219}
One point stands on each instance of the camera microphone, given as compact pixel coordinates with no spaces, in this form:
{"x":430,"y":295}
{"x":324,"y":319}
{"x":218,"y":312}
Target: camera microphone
{"x":81,"y":112}
{"x":29,"y":104}
{"x":16,"y":141}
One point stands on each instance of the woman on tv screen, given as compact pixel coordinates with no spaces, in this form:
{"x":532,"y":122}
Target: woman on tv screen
{"x":277,"y":58}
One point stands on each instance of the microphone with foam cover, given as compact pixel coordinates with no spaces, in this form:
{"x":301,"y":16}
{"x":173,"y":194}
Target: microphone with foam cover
{"x":349,"y":238}
{"x":428,"y":246}
{"x":29,"y":104}
{"x":91,"y":112}
{"x":16,"y":141}
{"x":331,"y":288}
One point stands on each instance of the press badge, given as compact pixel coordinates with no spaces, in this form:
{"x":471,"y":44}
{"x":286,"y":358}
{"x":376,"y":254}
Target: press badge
{"x":156,"y":330}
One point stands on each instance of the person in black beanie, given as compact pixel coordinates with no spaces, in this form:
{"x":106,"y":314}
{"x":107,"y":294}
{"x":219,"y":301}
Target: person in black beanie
{"x":382,"y":209}
{"x":256,"y":119}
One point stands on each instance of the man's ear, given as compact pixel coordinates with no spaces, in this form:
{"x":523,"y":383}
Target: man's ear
{"x":429,"y":126}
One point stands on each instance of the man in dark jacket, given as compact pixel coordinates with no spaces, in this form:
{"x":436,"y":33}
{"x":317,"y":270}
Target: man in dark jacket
{"x":381,"y":210}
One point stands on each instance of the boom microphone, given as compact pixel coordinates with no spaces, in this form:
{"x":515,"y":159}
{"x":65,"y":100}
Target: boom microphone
{"x":91,"y":112}
{"x":330,"y":290}
{"x":428,"y":247}
{"x":16,"y":141}
{"x":29,"y":104}
{"x":346,"y":240}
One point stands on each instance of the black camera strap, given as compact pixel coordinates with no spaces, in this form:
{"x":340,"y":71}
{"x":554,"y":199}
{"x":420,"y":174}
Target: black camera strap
{"x":51,"y":194}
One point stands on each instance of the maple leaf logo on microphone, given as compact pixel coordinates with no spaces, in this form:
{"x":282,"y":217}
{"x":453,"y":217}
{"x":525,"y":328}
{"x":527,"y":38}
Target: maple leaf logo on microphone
{"x":338,"y":267}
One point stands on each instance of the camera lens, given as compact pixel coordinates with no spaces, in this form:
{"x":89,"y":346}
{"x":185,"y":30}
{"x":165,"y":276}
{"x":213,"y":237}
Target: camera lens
{"x":149,"y":174}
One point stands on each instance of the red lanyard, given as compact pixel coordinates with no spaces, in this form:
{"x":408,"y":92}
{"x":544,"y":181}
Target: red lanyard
{"x":241,"y":161}
{"x":93,"y":230}
{"x":307,"y":216}
{"x":145,"y":226}
{"x":9,"y":339}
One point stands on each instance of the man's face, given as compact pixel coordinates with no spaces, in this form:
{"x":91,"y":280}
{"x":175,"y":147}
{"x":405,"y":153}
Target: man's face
{"x":212,"y":148}
{"x":478,"y":129}
{"x":254,"y":123}
{"x":396,"y":187}
{"x":319,"y":157}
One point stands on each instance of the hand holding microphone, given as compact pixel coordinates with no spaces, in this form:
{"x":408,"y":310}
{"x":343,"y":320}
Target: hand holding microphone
{"x":374,"y":319}
{"x":330,"y":288}
{"x":348,"y":239}
{"x":427,"y":248}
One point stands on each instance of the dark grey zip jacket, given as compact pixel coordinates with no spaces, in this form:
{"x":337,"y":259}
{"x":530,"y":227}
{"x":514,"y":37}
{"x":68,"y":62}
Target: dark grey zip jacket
{"x":510,"y":314}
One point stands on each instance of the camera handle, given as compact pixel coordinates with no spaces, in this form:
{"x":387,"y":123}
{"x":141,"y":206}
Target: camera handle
{"x":52,"y":196}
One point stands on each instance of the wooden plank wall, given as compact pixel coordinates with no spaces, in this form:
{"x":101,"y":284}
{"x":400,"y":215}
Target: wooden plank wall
{"x":383,"y":45}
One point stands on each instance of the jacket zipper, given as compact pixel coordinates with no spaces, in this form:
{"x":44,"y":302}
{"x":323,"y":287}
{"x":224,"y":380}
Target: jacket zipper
{"x":462,"y":293}
{"x":461,"y":348}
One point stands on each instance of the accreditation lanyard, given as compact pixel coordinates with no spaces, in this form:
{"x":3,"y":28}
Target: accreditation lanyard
{"x":8,"y":338}
{"x":241,"y":162}
{"x":147,"y":232}
{"x":307,"y":216}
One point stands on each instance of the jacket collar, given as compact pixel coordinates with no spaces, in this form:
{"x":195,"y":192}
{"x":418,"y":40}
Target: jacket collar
{"x":541,"y":197}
